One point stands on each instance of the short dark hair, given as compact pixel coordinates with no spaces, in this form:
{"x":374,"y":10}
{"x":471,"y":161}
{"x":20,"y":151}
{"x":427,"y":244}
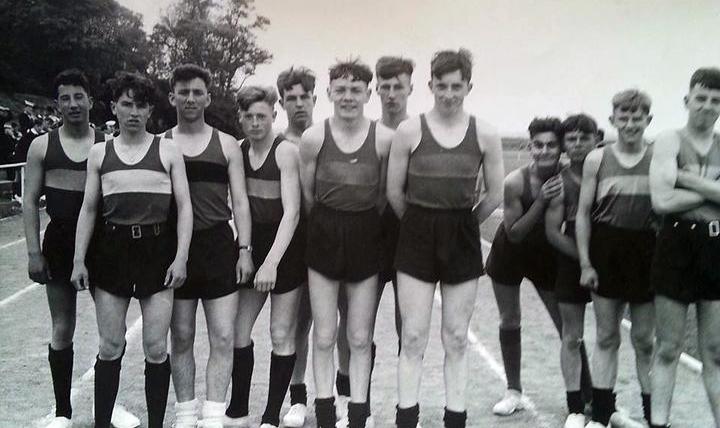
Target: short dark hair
{"x":249,"y":95}
{"x":302,"y":76}
{"x":632,"y":100}
{"x":447,"y":61}
{"x":708,"y":77}
{"x":352,"y":68}
{"x":143,"y":89}
{"x":546,"y":124}
{"x":388,"y":67}
{"x":580,"y":122}
{"x":71,"y":76}
{"x":187,"y":72}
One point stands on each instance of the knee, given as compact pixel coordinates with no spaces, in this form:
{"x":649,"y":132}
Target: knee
{"x":414,"y":342}
{"x":572,"y":342}
{"x":182,"y":339}
{"x":324,"y":341}
{"x":281,"y":336}
{"x":668,"y":352}
{"x":62,"y":334}
{"x":643,"y":343}
{"x":155,"y":350}
{"x":111,"y":348}
{"x":510,"y":318}
{"x":608,"y":340}
{"x":711,"y":353}
{"x":360,"y":339}
{"x":222,"y":341}
{"x":454,"y":340}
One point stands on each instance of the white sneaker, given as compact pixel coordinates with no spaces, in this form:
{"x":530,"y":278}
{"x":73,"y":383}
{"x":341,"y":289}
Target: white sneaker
{"x":344,"y":422}
{"x":60,"y":422}
{"x":621,"y":420}
{"x":122,"y":418}
{"x":512,"y":402}
{"x":241,"y":422}
{"x":186,"y":414}
{"x":267,"y":425}
{"x":594,"y":424}
{"x":341,"y":403}
{"x":295,"y":417}
{"x":575,"y":420}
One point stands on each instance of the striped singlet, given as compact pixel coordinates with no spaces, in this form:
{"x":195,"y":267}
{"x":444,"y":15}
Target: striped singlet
{"x":443,"y":178}
{"x":709,"y":167}
{"x":347,"y":181}
{"x":208,"y":179}
{"x":138,"y":193}
{"x":64,"y":182}
{"x":263,"y":185}
{"x":622,"y":197}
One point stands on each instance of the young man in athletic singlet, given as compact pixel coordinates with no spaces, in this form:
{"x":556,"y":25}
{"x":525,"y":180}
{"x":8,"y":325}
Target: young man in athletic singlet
{"x":271,"y":170}
{"x":56,"y":166}
{"x":343,"y":164}
{"x":297,"y":97}
{"x":579,"y":137}
{"x":685,"y":189}
{"x":136,"y":175}
{"x":615,"y":236}
{"x":434,"y":171}
{"x":214,"y":168}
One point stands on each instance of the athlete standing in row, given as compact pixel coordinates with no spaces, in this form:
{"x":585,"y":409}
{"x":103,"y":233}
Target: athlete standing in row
{"x":434,"y":171}
{"x":615,"y":238}
{"x":579,"y":137}
{"x":56,"y":166}
{"x":344,"y":161}
{"x":685,"y":188}
{"x":273,"y":182}
{"x":214,"y":166}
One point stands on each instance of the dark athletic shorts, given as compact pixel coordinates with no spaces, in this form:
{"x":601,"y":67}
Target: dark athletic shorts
{"x":567,"y":282}
{"x":622,"y":259}
{"x":58,"y":248}
{"x":439,"y":245}
{"x":686,"y":266}
{"x":343,"y":245}
{"x":211,"y":264}
{"x":390,"y":231}
{"x":291,"y":271}
{"x":533,"y":258}
{"x":130,"y":267}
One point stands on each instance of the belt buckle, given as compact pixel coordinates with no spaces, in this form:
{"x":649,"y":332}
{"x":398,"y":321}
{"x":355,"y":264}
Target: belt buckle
{"x":136,"y":231}
{"x":156,"y":229}
{"x":714,"y":228}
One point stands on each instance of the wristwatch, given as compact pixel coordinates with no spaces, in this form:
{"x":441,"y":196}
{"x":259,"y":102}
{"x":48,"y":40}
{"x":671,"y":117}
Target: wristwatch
{"x":247,"y":248}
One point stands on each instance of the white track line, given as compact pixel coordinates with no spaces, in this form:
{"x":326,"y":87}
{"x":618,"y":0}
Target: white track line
{"x":86,"y":381}
{"x":18,"y":241}
{"x":685,"y":359}
{"x":17,"y":294}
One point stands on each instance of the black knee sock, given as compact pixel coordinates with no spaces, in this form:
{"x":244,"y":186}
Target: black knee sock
{"x":511,"y":349}
{"x":325,"y":412}
{"x":342,"y":384}
{"x":61,"y":367}
{"x":373,"y":351}
{"x":454,"y":419}
{"x":585,"y":378}
{"x":575,"y":402}
{"x":603,"y":405}
{"x":157,"y":384}
{"x":243,"y":362}
{"x":298,"y":394}
{"x":408,"y":417}
{"x":646,"y":406}
{"x":107,"y":381}
{"x":358,"y":414}
{"x":281,"y":368}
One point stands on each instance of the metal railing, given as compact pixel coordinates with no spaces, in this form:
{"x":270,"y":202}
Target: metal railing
{"x":20,"y":166}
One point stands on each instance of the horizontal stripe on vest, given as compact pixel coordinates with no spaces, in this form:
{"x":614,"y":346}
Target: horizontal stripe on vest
{"x":346,"y":197}
{"x":623,"y":185}
{"x":210,"y":204}
{"x":66,"y":179}
{"x":627,"y":211}
{"x":337,"y":172}
{"x":426,"y":165}
{"x":136,"y":208}
{"x":205,"y":171}
{"x":135,"y":181}
{"x":68,"y":165}
{"x":445,"y":192}
{"x":265,"y":210}
{"x":265,"y":189}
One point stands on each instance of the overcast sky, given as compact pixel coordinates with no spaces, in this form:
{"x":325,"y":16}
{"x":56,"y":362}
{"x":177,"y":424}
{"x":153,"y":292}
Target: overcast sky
{"x":532,"y":57}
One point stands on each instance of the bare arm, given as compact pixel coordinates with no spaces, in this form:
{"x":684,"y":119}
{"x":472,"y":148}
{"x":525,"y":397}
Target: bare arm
{"x":34,"y":178}
{"x":383,"y":143}
{"x":554,"y":217}
{"x":400,"y":150}
{"x":240,"y":207}
{"x":286,"y":157}
{"x":493,"y":174}
{"x":666,"y":198}
{"x":88,"y":214}
{"x":177,"y":272}
{"x":310,"y":145}
{"x":517,"y":223}
{"x":588,"y":187}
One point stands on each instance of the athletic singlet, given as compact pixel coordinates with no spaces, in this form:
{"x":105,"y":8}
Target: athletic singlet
{"x":347,"y":181}
{"x":138,"y":193}
{"x":571,"y":197}
{"x":263,"y":185}
{"x":64,"y":181}
{"x":709,"y":167}
{"x":622,"y":197}
{"x":444,"y":178}
{"x":207,"y":175}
